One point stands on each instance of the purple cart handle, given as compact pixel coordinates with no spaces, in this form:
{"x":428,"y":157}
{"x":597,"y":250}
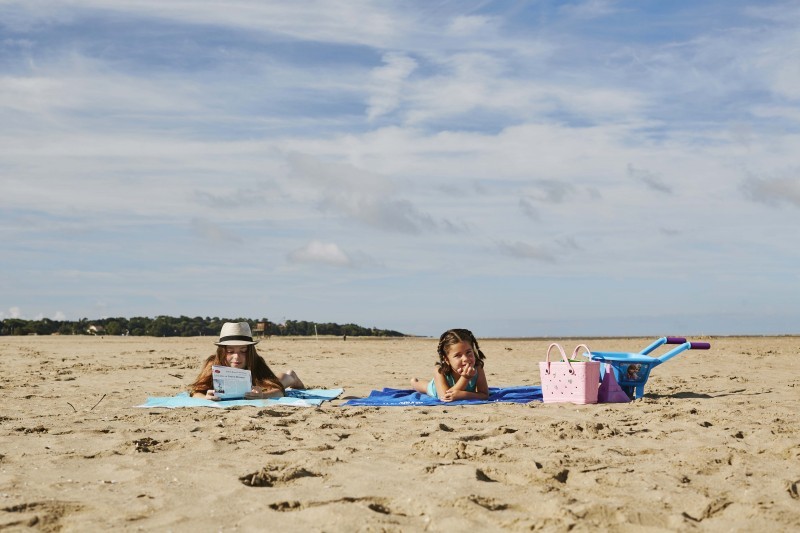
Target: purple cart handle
{"x":675,"y":340}
{"x":699,"y":346}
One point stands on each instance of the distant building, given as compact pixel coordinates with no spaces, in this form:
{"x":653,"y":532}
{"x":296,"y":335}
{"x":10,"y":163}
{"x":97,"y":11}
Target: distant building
{"x":96,"y":329}
{"x":261,"y":330}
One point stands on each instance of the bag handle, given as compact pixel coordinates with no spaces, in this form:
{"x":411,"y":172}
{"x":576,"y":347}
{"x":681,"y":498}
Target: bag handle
{"x":563,"y":356}
{"x":575,"y":351}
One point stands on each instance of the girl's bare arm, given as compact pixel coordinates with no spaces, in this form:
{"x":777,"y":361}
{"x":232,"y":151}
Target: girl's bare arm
{"x":457,"y":392}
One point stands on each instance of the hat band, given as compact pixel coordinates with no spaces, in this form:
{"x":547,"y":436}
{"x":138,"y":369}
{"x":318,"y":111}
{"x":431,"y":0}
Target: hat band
{"x":236,"y":338}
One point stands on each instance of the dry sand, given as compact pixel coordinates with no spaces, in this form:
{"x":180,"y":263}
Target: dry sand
{"x":713,"y":446}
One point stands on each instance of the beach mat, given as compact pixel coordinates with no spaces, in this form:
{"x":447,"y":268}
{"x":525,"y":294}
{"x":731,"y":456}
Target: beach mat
{"x":293,"y":398}
{"x":407,"y":397}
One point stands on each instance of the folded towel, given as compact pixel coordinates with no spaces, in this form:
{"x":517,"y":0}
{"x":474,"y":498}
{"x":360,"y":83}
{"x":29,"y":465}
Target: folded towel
{"x":294,"y":398}
{"x":407,"y":397}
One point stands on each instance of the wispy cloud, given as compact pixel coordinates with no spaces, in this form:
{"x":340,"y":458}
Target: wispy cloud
{"x":523,"y":250}
{"x":214,"y":233}
{"x":365,"y":197}
{"x":650,"y":179}
{"x":590,"y":9}
{"x":773,"y":191}
{"x":529,"y":209}
{"x":389,"y":84}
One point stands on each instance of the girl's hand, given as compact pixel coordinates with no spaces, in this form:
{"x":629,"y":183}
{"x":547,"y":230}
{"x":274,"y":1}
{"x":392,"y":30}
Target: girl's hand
{"x":259,"y":393}
{"x":211,"y":396}
{"x":449,"y":395}
{"x":467,"y":371}
{"x":254,"y":393}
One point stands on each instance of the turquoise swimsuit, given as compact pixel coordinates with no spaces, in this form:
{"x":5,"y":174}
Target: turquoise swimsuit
{"x":471,"y":386}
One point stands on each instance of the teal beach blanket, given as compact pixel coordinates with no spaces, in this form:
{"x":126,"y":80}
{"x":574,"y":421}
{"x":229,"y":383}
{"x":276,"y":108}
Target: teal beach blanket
{"x":293,"y":398}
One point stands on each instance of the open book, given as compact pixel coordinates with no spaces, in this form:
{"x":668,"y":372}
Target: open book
{"x":230,"y":383}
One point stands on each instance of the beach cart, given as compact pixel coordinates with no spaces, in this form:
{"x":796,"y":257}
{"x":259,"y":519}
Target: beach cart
{"x":632,"y":369}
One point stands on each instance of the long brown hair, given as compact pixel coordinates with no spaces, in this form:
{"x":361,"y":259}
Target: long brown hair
{"x":260,"y":372}
{"x":454,"y":336}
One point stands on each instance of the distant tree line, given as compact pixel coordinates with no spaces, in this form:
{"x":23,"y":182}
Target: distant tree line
{"x":183,"y":326}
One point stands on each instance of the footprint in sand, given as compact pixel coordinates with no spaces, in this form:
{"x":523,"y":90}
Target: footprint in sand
{"x":792,"y":488}
{"x":272,"y":475}
{"x":480,"y":475}
{"x":43,"y":516}
{"x":487,"y":503}
{"x":455,"y":450}
{"x":378,"y":505}
{"x":488,"y":434}
{"x":37,"y":429}
{"x":145,"y":444}
{"x":712,"y":509}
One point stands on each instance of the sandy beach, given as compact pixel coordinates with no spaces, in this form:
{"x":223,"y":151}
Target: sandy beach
{"x":713,"y":446}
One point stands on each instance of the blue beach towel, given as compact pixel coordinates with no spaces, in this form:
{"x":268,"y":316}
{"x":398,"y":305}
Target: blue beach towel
{"x":408,"y":397}
{"x":293,"y":398}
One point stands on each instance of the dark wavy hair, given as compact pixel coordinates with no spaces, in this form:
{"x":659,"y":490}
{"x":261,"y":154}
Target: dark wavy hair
{"x":454,"y":336}
{"x":260,"y":372}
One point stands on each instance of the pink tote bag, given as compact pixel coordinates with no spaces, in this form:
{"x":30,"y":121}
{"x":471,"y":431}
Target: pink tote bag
{"x":569,"y":381}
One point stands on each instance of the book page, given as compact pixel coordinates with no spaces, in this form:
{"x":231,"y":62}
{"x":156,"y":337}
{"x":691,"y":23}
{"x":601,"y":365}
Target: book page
{"x":230,"y":383}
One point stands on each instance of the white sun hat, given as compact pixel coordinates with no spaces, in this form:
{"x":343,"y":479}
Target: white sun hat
{"x":235,"y":334}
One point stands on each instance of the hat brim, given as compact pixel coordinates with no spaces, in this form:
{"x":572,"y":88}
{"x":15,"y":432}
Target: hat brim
{"x":237,"y":343}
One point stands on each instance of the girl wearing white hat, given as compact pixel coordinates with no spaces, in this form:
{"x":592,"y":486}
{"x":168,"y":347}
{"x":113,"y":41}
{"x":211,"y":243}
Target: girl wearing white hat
{"x":236,"y":348}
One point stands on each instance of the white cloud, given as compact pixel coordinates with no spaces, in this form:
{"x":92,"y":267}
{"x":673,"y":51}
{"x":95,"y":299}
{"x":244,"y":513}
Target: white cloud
{"x":388,"y":84}
{"x":12,"y":312}
{"x":320,"y":252}
{"x":469,"y":25}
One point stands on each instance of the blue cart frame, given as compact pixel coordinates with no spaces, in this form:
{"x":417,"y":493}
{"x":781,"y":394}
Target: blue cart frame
{"x":632,"y":369}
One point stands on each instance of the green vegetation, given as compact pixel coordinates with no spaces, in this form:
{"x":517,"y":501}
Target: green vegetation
{"x":183,"y":326}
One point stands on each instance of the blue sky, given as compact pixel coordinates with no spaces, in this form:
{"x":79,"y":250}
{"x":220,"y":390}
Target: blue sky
{"x":520,"y":168}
